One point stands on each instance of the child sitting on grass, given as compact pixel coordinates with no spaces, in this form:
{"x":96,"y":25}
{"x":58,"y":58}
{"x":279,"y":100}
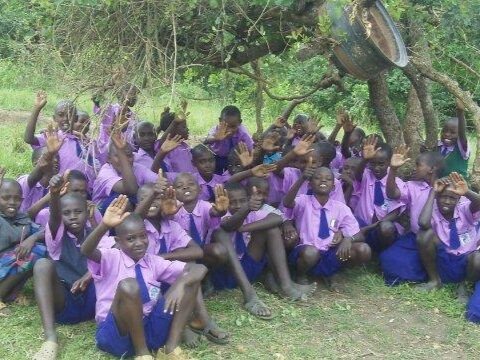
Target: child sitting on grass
{"x":133,"y":317}
{"x":329,"y":233}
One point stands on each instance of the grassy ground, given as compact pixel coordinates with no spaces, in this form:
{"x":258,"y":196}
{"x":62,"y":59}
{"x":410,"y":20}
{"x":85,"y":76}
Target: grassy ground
{"x":365,"y":320}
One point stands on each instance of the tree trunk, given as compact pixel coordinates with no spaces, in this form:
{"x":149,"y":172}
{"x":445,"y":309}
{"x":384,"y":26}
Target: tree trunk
{"x":259,"y":102}
{"x":384,"y":110}
{"x":412,"y":124}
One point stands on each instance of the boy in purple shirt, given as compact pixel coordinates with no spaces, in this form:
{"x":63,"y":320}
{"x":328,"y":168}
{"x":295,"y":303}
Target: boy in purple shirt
{"x":448,"y":238}
{"x":225,"y":136}
{"x":375,"y":212}
{"x":63,"y":288}
{"x":120,"y":175}
{"x":350,"y":185}
{"x":133,"y":316}
{"x":329,"y":233}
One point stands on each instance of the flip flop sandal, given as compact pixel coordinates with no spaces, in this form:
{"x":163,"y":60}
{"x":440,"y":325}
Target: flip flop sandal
{"x":48,"y":351}
{"x":254,"y":305}
{"x":207,"y":332}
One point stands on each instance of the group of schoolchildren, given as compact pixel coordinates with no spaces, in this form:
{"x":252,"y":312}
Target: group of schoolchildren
{"x":133,"y":227}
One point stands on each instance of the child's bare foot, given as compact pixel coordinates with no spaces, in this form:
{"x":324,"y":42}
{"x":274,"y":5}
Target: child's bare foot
{"x":291,"y":293}
{"x":462,"y":293}
{"x":212,"y":332}
{"x":332,"y":283}
{"x":429,"y":286}
{"x":48,"y":351}
{"x":190,"y":338}
{"x":271,"y":283}
{"x":303,"y":280}
{"x":176,"y":354}
{"x":307,"y":289}
{"x":256,"y":307}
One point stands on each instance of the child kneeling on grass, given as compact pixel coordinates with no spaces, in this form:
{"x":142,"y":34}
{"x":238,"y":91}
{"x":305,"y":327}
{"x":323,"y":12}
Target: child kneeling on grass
{"x":132,"y":317}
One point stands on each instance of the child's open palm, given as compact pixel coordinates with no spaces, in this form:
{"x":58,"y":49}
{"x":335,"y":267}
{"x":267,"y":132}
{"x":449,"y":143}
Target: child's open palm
{"x":170,"y":205}
{"x":303,"y":147}
{"x":268,"y":144}
{"x":161,"y":184}
{"x":370,"y":147}
{"x":263,"y":170}
{"x":348,"y":124}
{"x":244,"y":155}
{"x":440,"y":184}
{"x":53,"y":141}
{"x":313,"y":126}
{"x":171,"y":143}
{"x":221,"y":199}
{"x":222,"y":133}
{"x":460,"y":186}
{"x":309,"y":169}
{"x":399,"y":156}
{"x":118,"y":140}
{"x":115,"y":213}
{"x":41,"y":99}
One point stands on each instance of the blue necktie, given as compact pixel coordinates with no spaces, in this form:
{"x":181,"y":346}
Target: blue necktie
{"x":309,"y":192}
{"x":163,"y":246}
{"x":324,"y":231}
{"x":141,"y":283}
{"x":79,"y":148}
{"x":454,"y":238}
{"x":194,"y":232}
{"x":163,"y":166}
{"x":240,"y":247}
{"x":444,"y":151}
{"x":211,"y":194}
{"x":378,"y":198}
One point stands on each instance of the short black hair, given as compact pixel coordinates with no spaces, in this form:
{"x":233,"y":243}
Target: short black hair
{"x":73,"y":197}
{"x":230,"y":110}
{"x":11,"y":182}
{"x":301,"y":118}
{"x":234,"y":187}
{"x":77,"y":175}
{"x":200,"y":149}
{"x":132,"y":218}
{"x":385,"y":148}
{"x":326,"y":150}
{"x":257,"y":182}
{"x":433,"y":159}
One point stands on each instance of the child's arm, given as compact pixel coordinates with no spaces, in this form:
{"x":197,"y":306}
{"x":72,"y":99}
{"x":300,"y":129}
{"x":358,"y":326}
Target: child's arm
{"x":259,"y":171}
{"x":289,"y":199}
{"x":168,"y":145}
{"x":425,"y":218}
{"x":461,"y":188}
{"x":191,"y":252}
{"x":113,"y":216}
{"x":399,"y":158}
{"x":29,"y":135}
{"x":57,"y":182}
{"x":348,"y":127}
{"x":159,"y":189}
{"x":25,"y":247}
{"x":128,"y":185}
{"x":220,"y":206}
{"x":368,"y":152}
{"x":38,"y":206}
{"x":303,"y":147}
{"x":234,"y":222}
{"x":462,"y":126}
{"x":270,"y":221}
{"x":341,"y":115}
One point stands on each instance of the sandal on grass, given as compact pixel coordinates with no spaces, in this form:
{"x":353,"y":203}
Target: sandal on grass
{"x":143,"y":357}
{"x":176,"y":354}
{"x":255,"y":306}
{"x":48,"y":351}
{"x":212,"y":332}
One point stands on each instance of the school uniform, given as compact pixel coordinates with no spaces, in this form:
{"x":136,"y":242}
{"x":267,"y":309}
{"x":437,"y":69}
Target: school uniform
{"x":30,"y":194}
{"x":207,"y":189}
{"x":44,"y":215}
{"x":356,"y":192}
{"x":337,"y":162}
{"x":275,"y":192}
{"x":374,"y":201}
{"x":180,"y":159}
{"x":473,"y":307}
{"x":456,"y":158}
{"x":170,"y":237}
{"x":221,"y":277}
{"x":108,"y":177}
{"x":316,"y":226}
{"x":71,"y":265}
{"x":150,"y":272}
{"x":223,"y":147}
{"x":198,"y":224}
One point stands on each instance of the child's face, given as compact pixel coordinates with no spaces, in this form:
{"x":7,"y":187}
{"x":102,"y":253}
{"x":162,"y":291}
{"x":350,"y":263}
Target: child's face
{"x":303,"y":160}
{"x":205,"y":163}
{"x":133,"y":240}
{"x":237,"y":200}
{"x":81,"y":124}
{"x":422,"y":170}
{"x":379,"y":164}
{"x":10,"y":199}
{"x":77,"y":186}
{"x":64,"y":115}
{"x":186,"y":188}
{"x":355,"y":143}
{"x":449,"y":132}
{"x":300,"y":127}
{"x":322,"y":182}
{"x":233,"y":123}
{"x":446,"y":202}
{"x":262,"y":190}
{"x":115,"y":160}
{"x":182,"y":130}
{"x":234,"y":166}
{"x":155,"y":208}
{"x":145,"y":136}
{"x":74,"y":214}
{"x":350,"y":167}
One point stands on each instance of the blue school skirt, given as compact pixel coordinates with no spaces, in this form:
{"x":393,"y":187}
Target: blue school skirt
{"x":79,"y":307}
{"x":371,"y":237}
{"x":156,"y":326}
{"x":222,"y":278}
{"x":473,"y":307}
{"x":328,"y":265}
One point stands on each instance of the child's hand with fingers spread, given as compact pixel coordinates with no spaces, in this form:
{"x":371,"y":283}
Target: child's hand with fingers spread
{"x":115,"y":213}
{"x":222,"y":133}
{"x":256,"y":201}
{"x":244,"y":155}
{"x":370,"y":147}
{"x":263,"y":170}
{"x":53,"y":140}
{"x":268,"y":144}
{"x":221,"y":200}
{"x":170,"y":205}
{"x":280,"y":122}
{"x":348,"y":124}
{"x":118,"y":140}
{"x":171,"y":143}
{"x":399,"y":156}
{"x":313,"y":126}
{"x":460,"y":186}
{"x":40,"y":99}
{"x":303,"y":147}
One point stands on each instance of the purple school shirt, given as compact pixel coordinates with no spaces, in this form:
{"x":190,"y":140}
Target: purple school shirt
{"x":466,"y":222}
{"x":54,"y":244}
{"x":108,"y":177}
{"x":464,"y":152}
{"x":108,"y":117}
{"x":352,"y":204}
{"x":116,"y":266}
{"x":252,"y":217}
{"x":337,"y":162}
{"x":414,"y":195}
{"x":223,"y":147}
{"x":275,"y":192}
{"x":143,"y":158}
{"x":365,"y":208}
{"x":180,"y":159}
{"x":216,"y":180}
{"x":307,"y":220}
{"x":44,"y":214}
{"x":175,"y":237}
{"x":30,"y":195}
{"x":201,"y":216}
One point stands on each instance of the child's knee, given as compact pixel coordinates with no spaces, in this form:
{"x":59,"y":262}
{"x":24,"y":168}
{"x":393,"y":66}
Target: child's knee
{"x":386,"y":229}
{"x":221,"y":237}
{"x":424,"y":238}
{"x":217,"y":251}
{"x":475,"y":265}
{"x":363,"y":252}
{"x":128,"y":287}
{"x":43,"y":267}
{"x":310,"y":255}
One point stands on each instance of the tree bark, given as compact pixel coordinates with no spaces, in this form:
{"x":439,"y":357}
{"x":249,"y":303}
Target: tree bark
{"x":384,"y":110}
{"x":259,"y":102}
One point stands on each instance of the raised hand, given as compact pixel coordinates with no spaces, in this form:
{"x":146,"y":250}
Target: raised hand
{"x":118,"y":140}
{"x":309,"y":169}
{"x":399,"y":156}
{"x":40,"y":99}
{"x":170,"y":205}
{"x":222,"y":132}
{"x":348,"y":124}
{"x":58,"y":183}
{"x":53,"y":141}
{"x":263,"y":170}
{"x":346,"y":179}
{"x":290,"y":134}
{"x":182,"y":115}
{"x":268,"y":144}
{"x":313,"y":126}
{"x":115,"y":213}
{"x":161,"y":184}
{"x":244,"y":155}
{"x":341,"y":116}
{"x":370,"y":147}
{"x":221,"y":199}
{"x":440,"y":184}
{"x":460,"y":186}
{"x":256,"y":200}
{"x":280,"y":122}
{"x":171,"y":143}
{"x":303,"y":147}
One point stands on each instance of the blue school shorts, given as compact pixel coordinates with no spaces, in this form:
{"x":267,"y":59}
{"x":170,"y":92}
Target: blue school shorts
{"x":328,"y":265}
{"x":156,"y":326}
{"x":473,"y":307}
{"x":372,"y":237}
{"x":451,"y":268}
{"x":79,"y":307}
{"x":222,"y":278}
